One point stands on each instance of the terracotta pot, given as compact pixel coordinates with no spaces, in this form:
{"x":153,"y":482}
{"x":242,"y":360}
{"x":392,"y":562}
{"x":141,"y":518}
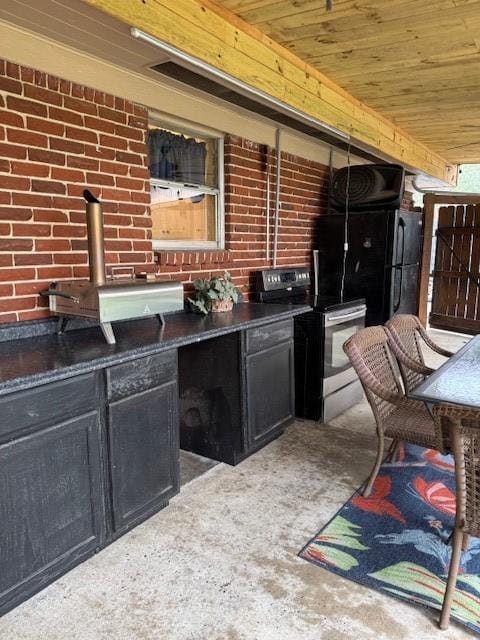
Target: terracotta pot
{"x":221,"y":305}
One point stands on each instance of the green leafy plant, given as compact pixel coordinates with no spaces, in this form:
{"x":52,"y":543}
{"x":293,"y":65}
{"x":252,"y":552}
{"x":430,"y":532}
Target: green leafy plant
{"x":220,"y":288}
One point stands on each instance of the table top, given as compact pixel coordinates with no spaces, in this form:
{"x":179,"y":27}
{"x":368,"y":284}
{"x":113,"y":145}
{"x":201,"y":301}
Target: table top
{"x":456,"y":381}
{"x":29,"y":362}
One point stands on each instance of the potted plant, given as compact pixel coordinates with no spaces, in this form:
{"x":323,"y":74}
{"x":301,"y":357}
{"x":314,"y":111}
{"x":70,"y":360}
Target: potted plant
{"x":217,"y":294}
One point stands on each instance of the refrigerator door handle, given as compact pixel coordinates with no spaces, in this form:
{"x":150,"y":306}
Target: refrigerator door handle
{"x":401,"y":225}
{"x":396,"y":305}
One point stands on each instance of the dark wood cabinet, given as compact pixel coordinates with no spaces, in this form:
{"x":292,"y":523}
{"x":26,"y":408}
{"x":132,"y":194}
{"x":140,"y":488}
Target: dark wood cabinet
{"x":144,"y":450}
{"x":86,"y":458}
{"x":270,"y":397}
{"x":52,"y":509}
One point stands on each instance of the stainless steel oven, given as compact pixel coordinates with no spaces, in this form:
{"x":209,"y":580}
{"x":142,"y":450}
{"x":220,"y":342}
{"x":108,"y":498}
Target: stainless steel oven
{"x":325,"y":382}
{"x":338,"y":327}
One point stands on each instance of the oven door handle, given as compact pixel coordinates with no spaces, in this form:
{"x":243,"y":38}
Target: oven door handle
{"x":357,"y":313}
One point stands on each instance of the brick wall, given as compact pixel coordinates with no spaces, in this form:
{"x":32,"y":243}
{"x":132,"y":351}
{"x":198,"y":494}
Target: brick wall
{"x":303,"y":197}
{"x":57,"y":137}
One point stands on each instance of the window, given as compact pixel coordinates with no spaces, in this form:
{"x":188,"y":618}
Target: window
{"x":186,"y":182}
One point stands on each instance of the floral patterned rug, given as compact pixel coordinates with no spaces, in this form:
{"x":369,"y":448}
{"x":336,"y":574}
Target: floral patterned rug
{"x":395,"y":540}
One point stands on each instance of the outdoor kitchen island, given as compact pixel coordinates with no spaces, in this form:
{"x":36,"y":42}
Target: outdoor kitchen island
{"x":89,"y":432}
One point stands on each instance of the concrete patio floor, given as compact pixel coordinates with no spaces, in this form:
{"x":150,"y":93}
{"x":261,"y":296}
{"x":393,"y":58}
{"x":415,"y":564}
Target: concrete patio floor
{"x":220,"y":563}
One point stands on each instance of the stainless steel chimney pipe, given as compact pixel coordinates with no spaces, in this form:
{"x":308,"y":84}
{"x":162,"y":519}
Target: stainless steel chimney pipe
{"x":96,"y":246}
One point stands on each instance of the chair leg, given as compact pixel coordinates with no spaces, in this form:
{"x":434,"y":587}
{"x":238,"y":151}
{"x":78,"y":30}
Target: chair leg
{"x":466,"y":541}
{"x":458,"y":537}
{"x":378,"y":462}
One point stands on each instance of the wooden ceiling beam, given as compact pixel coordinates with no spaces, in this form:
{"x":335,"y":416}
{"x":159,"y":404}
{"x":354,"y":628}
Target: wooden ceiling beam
{"x":212,"y":34}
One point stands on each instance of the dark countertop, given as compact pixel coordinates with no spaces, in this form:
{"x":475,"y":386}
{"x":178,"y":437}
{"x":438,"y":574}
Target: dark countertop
{"x":29,"y":362}
{"x":456,"y":381}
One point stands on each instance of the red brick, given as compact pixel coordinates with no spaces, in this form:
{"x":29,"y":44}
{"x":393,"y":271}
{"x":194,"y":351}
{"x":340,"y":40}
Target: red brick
{"x":15,"y":244}
{"x":12,"y":213}
{"x":23,"y":259}
{"x":65,"y":87}
{"x":8,"y":317}
{"x":53,"y":83}
{"x":26,"y":106}
{"x":48,"y":186}
{"x":118,"y":245}
{"x":10,"y":118}
{"x":129,"y":183}
{"x":10,"y":86}
{"x":100,"y":153}
{"x":73,"y":175}
{"x":71,"y":258}
{"x":116,"y":194}
{"x":99,"y":125}
{"x":130,"y":158}
{"x":31,"y":230}
{"x":69,"y":231}
{"x":17,"y":304}
{"x":137,"y":147}
{"x":4,"y":166}
{"x":46,"y":126}
{"x":131,"y":233}
{"x":63,"y":115}
{"x":132,"y":257}
{"x":42,"y":155}
{"x":138,"y":122}
{"x":12,"y":151}
{"x":77,"y":90}
{"x":80,"y":105}
{"x":115,"y":142}
{"x":22,"y":136}
{"x":130,"y":133}
{"x":53,"y":244}
{"x":42,"y":95}
{"x":51,"y":273}
{"x":33,"y":315}
{"x":31,"y":200}
{"x":111,"y":114}
{"x":40,"y":78}
{"x":100,"y":178}
{"x":27,"y":74}
{"x":49,"y":215}
{"x":30,"y":169}
{"x":12,"y":70}
{"x":14,"y":182}
{"x":82,"y":163}
{"x":29,"y":288}
{"x":79,"y":245}
{"x":82,"y":134}
{"x":5,"y":289}
{"x":140,"y":172}
{"x":62,"y":202}
{"x":63,"y":144}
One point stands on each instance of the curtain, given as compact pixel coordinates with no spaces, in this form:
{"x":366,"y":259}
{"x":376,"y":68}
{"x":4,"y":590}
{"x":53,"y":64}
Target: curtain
{"x":175,"y":157}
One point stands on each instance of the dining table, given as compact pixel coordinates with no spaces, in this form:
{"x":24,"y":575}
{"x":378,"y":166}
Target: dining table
{"x":456,"y":381}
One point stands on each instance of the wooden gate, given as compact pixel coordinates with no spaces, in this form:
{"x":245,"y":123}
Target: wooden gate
{"x":456,"y":274}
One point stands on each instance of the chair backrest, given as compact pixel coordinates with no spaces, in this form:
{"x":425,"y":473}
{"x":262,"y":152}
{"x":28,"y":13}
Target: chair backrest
{"x":405,"y":331}
{"x":463,"y":427}
{"x":370,"y":355}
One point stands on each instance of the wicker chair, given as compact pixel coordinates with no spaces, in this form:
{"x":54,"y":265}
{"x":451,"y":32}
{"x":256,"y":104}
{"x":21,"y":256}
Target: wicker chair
{"x":406,"y":334}
{"x":396,"y":416}
{"x":463,"y":425}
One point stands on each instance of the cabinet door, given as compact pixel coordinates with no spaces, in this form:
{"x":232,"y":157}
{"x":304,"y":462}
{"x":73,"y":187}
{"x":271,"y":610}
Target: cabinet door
{"x":270,"y":391}
{"x":144,"y":450}
{"x":51,"y":505}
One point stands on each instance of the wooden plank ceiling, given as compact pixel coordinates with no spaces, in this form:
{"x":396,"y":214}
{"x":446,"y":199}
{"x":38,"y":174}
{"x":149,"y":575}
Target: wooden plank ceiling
{"x":417,"y":62}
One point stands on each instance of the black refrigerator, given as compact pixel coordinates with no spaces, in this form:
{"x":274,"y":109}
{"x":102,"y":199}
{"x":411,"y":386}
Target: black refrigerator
{"x":381,"y":263}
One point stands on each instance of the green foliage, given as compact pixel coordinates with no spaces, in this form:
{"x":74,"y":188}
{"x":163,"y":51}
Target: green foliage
{"x":218,"y":288}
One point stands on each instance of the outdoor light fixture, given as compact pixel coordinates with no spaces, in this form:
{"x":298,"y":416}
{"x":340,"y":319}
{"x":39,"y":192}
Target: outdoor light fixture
{"x":206,"y":70}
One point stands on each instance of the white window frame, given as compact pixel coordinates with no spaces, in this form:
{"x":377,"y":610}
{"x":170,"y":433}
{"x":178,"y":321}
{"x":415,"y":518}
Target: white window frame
{"x":167,"y":122}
